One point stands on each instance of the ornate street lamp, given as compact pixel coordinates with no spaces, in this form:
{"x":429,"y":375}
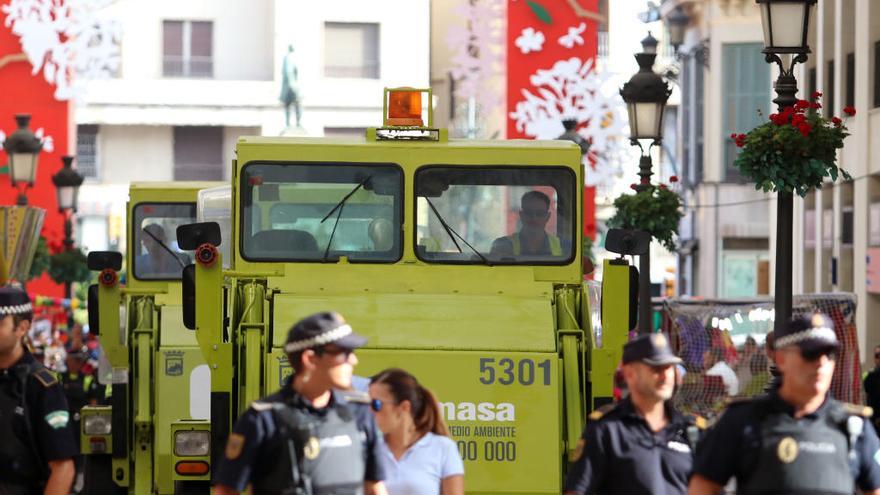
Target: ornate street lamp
{"x":67,"y":182}
{"x":23,"y":149}
{"x":677,"y":22}
{"x":786,"y":26}
{"x":645,"y":96}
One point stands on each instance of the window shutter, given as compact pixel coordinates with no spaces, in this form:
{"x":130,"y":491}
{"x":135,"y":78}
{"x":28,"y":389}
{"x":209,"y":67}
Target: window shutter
{"x":87,"y":151}
{"x":351,"y":50}
{"x":198,"y":153}
{"x":172,"y":48}
{"x":746,"y":92}
{"x":201,"y":56}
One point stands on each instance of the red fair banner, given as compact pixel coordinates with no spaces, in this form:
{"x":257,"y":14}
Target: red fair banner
{"x":551,"y":49}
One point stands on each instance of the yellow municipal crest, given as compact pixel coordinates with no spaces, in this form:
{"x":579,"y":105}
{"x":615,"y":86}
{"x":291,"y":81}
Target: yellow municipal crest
{"x":787,"y":451}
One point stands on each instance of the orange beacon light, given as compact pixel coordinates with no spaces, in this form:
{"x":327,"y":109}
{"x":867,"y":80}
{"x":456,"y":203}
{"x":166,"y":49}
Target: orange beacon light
{"x":403,"y":107}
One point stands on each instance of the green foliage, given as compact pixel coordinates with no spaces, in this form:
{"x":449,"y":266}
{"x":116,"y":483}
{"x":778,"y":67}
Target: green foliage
{"x":69,"y":266}
{"x":540,"y":11}
{"x":41,"y":259}
{"x":655,"y":209}
{"x":794,"y":152}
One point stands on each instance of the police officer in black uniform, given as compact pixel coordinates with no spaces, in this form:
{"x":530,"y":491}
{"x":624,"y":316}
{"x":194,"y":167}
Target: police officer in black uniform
{"x":36,"y":438}
{"x":796,"y":439}
{"x":308,"y":438}
{"x":641,"y":445}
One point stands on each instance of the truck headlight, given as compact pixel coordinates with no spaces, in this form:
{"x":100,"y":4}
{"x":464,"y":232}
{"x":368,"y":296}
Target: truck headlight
{"x":192,"y":443}
{"x":97,"y":424}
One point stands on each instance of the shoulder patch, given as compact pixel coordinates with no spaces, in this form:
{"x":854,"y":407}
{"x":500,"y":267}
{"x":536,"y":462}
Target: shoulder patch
{"x":602,"y":411}
{"x":857,"y":410}
{"x":233,"y":446}
{"x":45,"y":377}
{"x":57,"y":419}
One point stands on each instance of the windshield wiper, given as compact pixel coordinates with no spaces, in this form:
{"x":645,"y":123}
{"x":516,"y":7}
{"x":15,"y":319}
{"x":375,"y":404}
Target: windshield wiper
{"x":340,"y":206}
{"x":166,"y":248}
{"x":453,"y":234}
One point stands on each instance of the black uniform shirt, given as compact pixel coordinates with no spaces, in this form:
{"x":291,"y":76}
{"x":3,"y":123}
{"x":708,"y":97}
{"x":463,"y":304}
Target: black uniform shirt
{"x":723,"y":452}
{"x":620,"y":454}
{"x":47,"y":411}
{"x":256,"y":430}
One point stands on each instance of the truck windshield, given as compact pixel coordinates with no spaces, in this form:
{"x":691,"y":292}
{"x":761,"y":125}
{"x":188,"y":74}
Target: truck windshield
{"x":156,"y":254}
{"x":506,"y":215}
{"x":321,"y":211}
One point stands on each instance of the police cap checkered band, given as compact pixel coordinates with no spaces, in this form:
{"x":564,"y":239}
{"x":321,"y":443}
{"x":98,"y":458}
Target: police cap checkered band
{"x":816,"y":330}
{"x":14,"y":301}
{"x":321,"y":329}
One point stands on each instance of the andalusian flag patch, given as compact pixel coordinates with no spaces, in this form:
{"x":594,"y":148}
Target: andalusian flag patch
{"x":57,"y":419}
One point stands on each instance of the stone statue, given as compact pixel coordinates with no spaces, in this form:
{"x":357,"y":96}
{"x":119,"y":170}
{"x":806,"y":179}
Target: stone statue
{"x":290,"y":90}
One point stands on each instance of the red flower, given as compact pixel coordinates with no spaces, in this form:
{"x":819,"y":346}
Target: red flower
{"x":663,"y":186}
{"x":740,"y":140}
{"x":849,"y":110}
{"x":805,"y":129}
{"x":778,"y":119}
{"x":797,"y":120}
{"x":733,"y":136}
{"x":836,"y":121}
{"x":634,"y":187}
{"x":673,"y":178}
{"x":801,"y":104}
{"x":816,"y":94}
{"x":815,"y":105}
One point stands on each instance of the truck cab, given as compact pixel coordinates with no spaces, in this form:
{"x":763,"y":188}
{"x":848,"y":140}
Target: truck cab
{"x":154,"y":435}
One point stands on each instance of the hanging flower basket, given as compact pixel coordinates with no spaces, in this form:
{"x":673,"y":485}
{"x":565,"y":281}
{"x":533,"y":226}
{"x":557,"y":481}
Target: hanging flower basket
{"x":656,"y":209}
{"x":795,"y":151}
{"x":69,"y":266}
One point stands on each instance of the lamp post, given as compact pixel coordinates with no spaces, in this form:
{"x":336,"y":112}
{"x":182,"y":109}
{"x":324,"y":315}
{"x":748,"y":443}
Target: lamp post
{"x":645,"y":95}
{"x":67,"y":182}
{"x":22,"y":148}
{"x":786,"y":26}
{"x":677,"y":22}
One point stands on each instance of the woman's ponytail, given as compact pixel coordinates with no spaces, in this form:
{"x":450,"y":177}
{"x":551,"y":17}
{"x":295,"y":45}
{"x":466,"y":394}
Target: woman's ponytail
{"x":425,"y":409}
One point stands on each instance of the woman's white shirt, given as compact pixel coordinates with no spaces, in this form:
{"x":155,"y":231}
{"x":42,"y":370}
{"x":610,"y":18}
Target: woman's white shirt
{"x":423,"y":466}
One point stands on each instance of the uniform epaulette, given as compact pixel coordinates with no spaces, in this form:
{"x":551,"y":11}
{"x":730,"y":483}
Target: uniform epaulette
{"x":356,"y":397}
{"x":857,"y":410}
{"x":602,"y":411}
{"x":261,"y":406}
{"x":45,"y":377}
{"x":737,"y":401}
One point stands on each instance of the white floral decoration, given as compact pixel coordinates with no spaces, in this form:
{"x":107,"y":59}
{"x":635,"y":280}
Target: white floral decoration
{"x":71,"y":41}
{"x":574,"y":36}
{"x":572,"y":90}
{"x":530,"y":40}
{"x":478,"y":47}
{"x":47,"y":141}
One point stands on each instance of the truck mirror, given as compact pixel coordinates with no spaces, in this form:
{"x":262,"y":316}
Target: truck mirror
{"x":628,"y":242}
{"x":94,"y":311}
{"x":191,"y":236}
{"x":101,"y":260}
{"x":188,"y":292}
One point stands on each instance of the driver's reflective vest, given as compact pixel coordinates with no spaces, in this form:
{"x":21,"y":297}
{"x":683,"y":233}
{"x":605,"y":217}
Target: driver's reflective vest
{"x":555,"y":245}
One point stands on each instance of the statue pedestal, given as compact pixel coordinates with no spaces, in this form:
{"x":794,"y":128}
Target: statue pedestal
{"x":294,"y":132}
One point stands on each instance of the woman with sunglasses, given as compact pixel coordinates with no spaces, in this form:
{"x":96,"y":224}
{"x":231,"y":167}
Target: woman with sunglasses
{"x":421,"y":458}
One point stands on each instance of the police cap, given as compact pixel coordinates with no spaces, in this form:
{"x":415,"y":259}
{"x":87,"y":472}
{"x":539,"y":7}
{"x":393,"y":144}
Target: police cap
{"x":812,"y":333}
{"x":320,"y":329}
{"x":14,"y":301}
{"x":652,"y":349}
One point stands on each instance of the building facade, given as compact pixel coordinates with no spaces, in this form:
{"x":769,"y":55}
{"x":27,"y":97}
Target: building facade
{"x":195,"y":76}
{"x":725,"y":244}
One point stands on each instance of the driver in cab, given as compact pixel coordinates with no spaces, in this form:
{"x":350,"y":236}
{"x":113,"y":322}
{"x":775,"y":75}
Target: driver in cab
{"x":532,"y":239}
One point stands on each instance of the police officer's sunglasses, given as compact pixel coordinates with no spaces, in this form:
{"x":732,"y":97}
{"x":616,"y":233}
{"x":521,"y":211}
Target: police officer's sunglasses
{"x":534,"y":213}
{"x":814,"y":354}
{"x":342,"y":355}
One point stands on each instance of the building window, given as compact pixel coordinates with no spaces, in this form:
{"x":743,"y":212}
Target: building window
{"x":198,"y":153}
{"x":746,"y":93}
{"x":351,"y":50}
{"x":187,"y":49}
{"x":850,"y":79}
{"x":87,"y":151}
{"x":877,"y":73}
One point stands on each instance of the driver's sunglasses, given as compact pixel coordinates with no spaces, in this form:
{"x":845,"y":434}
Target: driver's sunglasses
{"x":534,"y":213}
{"x":335,"y":352}
{"x":815,"y":354}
